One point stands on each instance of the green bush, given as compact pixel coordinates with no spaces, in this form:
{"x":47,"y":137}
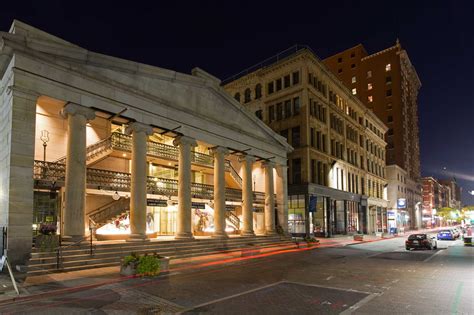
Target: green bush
{"x":310,"y":239}
{"x":131,"y":259}
{"x":148,"y":265}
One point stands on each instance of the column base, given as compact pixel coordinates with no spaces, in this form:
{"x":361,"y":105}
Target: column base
{"x":247,"y":233}
{"x":270,"y":233}
{"x":220,"y":235}
{"x":184,"y":236}
{"x":137,"y":238}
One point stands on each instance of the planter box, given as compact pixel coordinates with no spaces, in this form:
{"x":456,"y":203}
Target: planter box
{"x":164,"y":264}
{"x":129,"y":270}
{"x":358,"y":237}
{"x":46,"y":243}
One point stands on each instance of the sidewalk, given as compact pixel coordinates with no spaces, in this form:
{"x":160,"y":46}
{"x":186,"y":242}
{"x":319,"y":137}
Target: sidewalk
{"x":56,"y":283}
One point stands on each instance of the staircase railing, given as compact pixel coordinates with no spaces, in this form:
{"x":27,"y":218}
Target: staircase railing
{"x":60,"y":248}
{"x":233,"y":219}
{"x":93,"y":150}
{"x":51,"y":172}
{"x":233,"y":173}
{"x":108,"y":211}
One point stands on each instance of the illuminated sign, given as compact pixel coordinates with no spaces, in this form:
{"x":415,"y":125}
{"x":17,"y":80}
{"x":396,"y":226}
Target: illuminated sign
{"x":401,"y":203}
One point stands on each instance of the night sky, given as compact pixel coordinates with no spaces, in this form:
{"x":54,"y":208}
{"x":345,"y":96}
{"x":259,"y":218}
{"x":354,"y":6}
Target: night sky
{"x":224,"y":39}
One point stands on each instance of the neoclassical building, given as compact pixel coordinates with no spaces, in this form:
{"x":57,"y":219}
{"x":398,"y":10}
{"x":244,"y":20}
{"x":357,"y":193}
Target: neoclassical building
{"x":127,"y":150}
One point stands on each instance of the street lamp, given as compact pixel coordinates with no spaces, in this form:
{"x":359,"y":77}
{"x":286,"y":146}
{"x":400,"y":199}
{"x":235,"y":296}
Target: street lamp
{"x":45,"y":138}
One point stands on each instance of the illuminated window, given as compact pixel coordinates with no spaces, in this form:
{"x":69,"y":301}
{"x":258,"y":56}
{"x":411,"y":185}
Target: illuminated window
{"x":369,"y":86}
{"x":370,"y":98}
{"x":354,"y":91}
{"x":388,"y":67}
{"x":354,"y":79}
{"x":369,"y":74}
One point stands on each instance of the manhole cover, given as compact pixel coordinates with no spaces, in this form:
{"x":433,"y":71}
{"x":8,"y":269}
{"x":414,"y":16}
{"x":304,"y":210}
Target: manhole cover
{"x":285,"y":298}
{"x":412,"y":256}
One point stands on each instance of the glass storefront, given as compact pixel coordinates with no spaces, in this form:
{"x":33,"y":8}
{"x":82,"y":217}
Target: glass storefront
{"x":296,"y":214}
{"x":46,"y":207}
{"x":340,"y":216}
{"x":353,"y":224}
{"x":318,"y":219}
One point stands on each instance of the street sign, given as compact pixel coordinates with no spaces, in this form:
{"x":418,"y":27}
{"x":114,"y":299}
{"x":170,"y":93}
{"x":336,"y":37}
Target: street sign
{"x":401,"y":203}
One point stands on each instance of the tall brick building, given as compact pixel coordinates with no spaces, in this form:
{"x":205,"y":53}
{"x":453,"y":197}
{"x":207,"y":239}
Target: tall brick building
{"x":387,"y":83}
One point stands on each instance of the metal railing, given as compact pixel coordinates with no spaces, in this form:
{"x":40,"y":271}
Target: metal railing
{"x":59,"y":250}
{"x":50,"y":172}
{"x":233,"y":172}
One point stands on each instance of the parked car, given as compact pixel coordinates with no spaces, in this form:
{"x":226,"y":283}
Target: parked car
{"x":415,"y":241}
{"x":456,"y":232}
{"x":446,"y":235}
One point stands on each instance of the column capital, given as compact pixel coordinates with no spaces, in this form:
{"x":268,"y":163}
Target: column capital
{"x":247,"y":158}
{"x":75,"y":109}
{"x":184,"y":140}
{"x":281,"y":169}
{"x":266,"y":164}
{"x":219,"y":150}
{"x":139,"y":127}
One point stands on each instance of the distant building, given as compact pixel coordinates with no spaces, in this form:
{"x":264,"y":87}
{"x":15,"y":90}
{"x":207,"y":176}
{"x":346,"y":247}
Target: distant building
{"x":435,"y":197}
{"x":455,"y":192}
{"x":387,"y":83}
{"x":337,"y":171}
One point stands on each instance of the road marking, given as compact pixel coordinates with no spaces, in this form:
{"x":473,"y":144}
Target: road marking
{"x":457,"y":298}
{"x":431,"y":257}
{"x":365,"y":300}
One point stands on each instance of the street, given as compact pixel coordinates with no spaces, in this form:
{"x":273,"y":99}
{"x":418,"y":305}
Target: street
{"x":367,"y":278}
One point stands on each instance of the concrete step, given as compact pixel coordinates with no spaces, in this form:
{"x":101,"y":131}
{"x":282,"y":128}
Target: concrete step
{"x":121,"y":253}
{"x":154,"y":246}
{"x":113,"y":259}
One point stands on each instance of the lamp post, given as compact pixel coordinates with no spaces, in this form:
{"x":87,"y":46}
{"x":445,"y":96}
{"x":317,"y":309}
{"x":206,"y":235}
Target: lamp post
{"x":45,"y":138}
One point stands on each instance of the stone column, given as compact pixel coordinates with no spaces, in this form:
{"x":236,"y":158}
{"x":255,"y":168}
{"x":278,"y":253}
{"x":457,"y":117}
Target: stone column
{"x":17,"y":151}
{"x":75,"y":188}
{"x":219,"y":192}
{"x":269,"y":199}
{"x":282,"y":196}
{"x":138,"y":180}
{"x":247,"y":196}
{"x":185,"y":145}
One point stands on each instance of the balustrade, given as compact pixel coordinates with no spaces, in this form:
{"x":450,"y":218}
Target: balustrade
{"x":119,"y":181}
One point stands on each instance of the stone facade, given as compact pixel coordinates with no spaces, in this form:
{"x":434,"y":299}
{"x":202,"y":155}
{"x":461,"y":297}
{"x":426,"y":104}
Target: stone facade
{"x":339,"y":145}
{"x":43,"y":74}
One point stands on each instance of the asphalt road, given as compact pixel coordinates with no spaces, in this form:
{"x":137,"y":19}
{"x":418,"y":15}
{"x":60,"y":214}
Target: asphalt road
{"x":370,"y":278}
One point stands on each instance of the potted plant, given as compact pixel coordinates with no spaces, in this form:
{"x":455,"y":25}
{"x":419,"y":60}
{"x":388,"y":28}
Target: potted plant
{"x":47,"y":240}
{"x":129,"y":265}
{"x":146,"y":265}
{"x":311,"y":241}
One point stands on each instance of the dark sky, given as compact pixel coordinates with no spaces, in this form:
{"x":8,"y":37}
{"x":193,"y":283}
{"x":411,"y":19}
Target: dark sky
{"x":225,"y":37}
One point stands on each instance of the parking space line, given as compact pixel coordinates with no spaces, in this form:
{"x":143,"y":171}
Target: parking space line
{"x":365,"y":300}
{"x":431,"y":257}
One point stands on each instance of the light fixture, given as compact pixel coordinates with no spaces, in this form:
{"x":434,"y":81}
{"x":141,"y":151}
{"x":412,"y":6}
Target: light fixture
{"x":124,"y":154}
{"x":116,"y":196}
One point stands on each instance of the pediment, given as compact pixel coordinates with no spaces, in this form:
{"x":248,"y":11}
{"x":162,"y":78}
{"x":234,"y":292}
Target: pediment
{"x":199,"y":94}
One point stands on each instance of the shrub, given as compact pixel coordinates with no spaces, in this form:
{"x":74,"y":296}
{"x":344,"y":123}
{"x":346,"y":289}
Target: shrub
{"x":310,"y":239}
{"x":48,"y":229}
{"x":148,"y":265}
{"x":131,"y":259}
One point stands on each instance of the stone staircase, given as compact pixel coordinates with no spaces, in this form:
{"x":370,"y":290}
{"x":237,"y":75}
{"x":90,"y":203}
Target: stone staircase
{"x":107,"y":254}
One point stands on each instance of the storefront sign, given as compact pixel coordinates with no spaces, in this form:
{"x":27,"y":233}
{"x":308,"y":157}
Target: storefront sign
{"x":312,"y":203}
{"x":198,"y":205}
{"x":156,"y":203}
{"x":401,"y":203}
{"x":391,"y":215}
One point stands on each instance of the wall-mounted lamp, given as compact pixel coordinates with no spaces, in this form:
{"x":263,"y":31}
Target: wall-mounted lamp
{"x":116,"y":196}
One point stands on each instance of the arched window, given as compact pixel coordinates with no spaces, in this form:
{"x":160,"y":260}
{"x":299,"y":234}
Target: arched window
{"x":237,"y":96}
{"x":258,"y":91}
{"x":247,"y":96}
